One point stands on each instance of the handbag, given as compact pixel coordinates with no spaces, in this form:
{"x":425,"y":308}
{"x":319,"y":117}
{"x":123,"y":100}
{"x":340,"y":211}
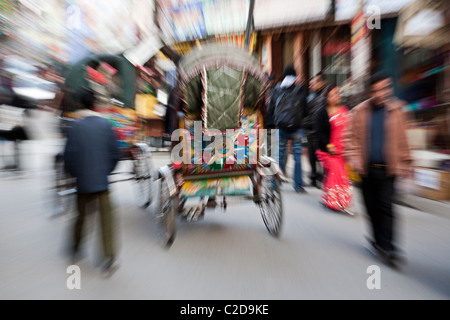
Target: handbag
{"x":352,"y":174}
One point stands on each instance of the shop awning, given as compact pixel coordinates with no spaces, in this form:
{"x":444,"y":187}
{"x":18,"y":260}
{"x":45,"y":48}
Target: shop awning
{"x":270,"y":14}
{"x":422,"y":24}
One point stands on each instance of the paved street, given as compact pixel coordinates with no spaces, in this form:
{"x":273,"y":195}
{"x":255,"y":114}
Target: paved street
{"x":228,"y":255}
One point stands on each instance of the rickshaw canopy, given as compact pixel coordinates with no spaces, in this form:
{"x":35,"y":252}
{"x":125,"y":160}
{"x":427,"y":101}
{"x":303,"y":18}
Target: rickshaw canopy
{"x":218,"y":81}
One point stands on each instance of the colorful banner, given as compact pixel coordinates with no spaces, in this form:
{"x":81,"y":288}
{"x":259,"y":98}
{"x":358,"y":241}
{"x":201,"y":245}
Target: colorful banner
{"x":182,"y":21}
{"x":359,"y":28}
{"x":229,"y":186}
{"x":360,"y":48}
{"x":238,"y":40}
{"x":188,"y":22}
{"x":124,"y":123}
{"x":240,"y":149}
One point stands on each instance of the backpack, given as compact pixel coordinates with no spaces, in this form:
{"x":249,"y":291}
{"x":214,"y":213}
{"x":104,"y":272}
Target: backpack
{"x":288,"y":113}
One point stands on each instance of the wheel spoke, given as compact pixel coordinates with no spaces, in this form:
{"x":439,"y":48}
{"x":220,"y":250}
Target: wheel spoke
{"x":166,"y":216}
{"x":271,"y":208}
{"x":143,"y":179}
{"x":64,"y":189}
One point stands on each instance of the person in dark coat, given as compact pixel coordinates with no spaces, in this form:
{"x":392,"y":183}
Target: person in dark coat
{"x":316,"y":101}
{"x":288,"y":102}
{"x":90,"y":155}
{"x":378,"y":151}
{"x":332,"y":122}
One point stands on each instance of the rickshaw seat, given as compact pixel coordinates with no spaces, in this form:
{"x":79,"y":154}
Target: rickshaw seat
{"x":240,"y":153}
{"x":222,"y":87}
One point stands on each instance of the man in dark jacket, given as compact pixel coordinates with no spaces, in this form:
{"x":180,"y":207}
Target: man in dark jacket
{"x":288,"y":102}
{"x":316,"y":101}
{"x":90,"y":155}
{"x":378,"y":150}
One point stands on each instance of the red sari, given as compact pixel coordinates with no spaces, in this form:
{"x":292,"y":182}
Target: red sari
{"x":336,"y":184}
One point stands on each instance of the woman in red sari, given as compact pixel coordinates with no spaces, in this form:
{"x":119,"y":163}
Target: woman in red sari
{"x":331,"y":123}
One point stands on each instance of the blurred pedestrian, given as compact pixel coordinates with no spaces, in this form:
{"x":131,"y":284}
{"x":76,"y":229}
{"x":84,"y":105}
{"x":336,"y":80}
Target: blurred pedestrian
{"x":269,"y":121}
{"x":316,"y":101}
{"x":378,"y":151}
{"x":90,"y":155}
{"x":289,"y":103}
{"x":332,"y":124}
{"x":6,"y":91}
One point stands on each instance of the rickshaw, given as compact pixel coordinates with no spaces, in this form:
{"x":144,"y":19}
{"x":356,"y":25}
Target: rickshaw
{"x":217,"y":151}
{"x":119,"y":109}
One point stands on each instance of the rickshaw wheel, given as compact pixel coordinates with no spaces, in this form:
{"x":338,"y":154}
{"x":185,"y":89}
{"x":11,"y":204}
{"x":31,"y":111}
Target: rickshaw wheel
{"x":64,"y":188}
{"x":166,"y":214}
{"x":143,"y":178}
{"x":271,"y":206}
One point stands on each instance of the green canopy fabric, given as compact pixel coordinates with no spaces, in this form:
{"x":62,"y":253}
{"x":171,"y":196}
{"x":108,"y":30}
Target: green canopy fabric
{"x":223,"y":99}
{"x":218,"y":81}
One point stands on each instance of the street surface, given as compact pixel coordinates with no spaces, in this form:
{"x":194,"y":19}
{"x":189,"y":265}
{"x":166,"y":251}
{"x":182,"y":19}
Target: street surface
{"x":228,"y":255}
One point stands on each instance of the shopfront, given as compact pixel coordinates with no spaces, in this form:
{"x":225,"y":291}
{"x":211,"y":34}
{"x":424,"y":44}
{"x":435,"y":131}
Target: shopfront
{"x":286,"y":29}
{"x":422,"y":34}
{"x":336,"y":54}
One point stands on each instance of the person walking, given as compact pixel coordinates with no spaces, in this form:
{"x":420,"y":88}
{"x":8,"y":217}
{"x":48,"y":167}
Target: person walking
{"x":269,"y":121}
{"x":378,"y":150}
{"x":316,"y":101}
{"x":288,"y":102}
{"x":90,"y":155}
{"x":331,"y":124}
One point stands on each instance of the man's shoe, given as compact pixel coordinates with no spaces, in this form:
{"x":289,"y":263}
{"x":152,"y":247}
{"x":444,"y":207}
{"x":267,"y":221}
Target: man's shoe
{"x":371,"y":248}
{"x":314,"y":184}
{"x":109,"y":267}
{"x":76,"y":257}
{"x":395,"y":259}
{"x":390,"y":258}
{"x":300,"y":190}
{"x":376,"y":250}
